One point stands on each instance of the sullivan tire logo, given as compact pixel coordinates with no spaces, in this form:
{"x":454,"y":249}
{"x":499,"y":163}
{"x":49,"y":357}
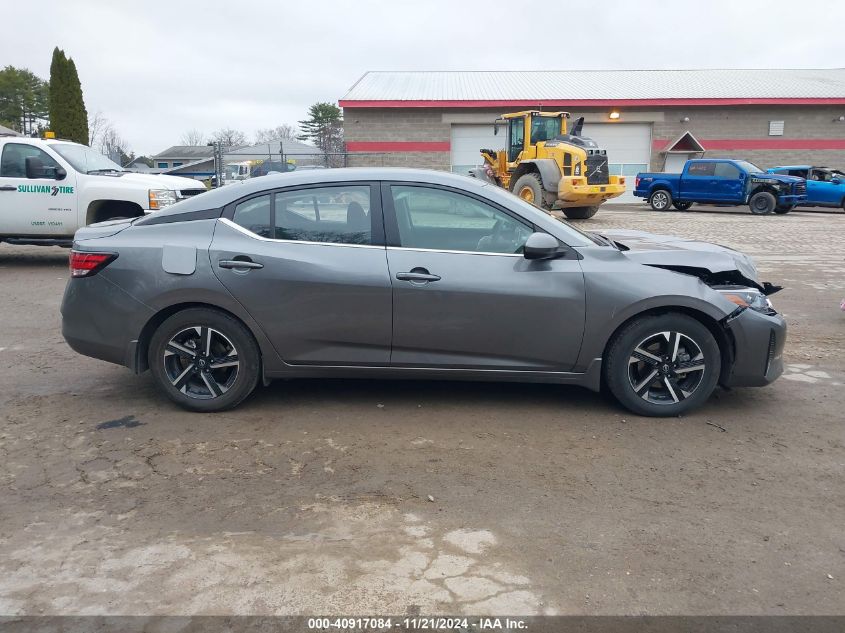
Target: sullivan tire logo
{"x":53,"y":190}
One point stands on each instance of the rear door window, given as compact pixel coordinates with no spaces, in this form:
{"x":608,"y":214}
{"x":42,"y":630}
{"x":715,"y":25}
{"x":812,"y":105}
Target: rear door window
{"x":701,"y":169}
{"x":335,"y":215}
{"x":255,"y":215}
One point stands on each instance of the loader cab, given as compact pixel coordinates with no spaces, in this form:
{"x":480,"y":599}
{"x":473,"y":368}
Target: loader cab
{"x":533,"y":127}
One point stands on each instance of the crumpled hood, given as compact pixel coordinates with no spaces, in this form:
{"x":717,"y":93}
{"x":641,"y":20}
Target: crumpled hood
{"x":711,"y":262}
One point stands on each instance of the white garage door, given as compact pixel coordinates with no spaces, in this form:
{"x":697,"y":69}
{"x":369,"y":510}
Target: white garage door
{"x":628,"y":148}
{"x":467,"y":141}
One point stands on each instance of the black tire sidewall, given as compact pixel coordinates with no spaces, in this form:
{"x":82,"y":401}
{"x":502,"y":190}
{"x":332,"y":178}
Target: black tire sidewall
{"x":248,"y":355}
{"x":668,"y":198}
{"x":533,"y":181}
{"x":620,"y":348}
{"x":682,"y":206}
{"x":580,"y":213}
{"x":769,"y":197}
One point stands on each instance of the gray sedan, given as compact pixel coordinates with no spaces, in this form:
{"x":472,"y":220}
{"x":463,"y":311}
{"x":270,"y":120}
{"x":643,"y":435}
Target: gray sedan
{"x":399,"y":273}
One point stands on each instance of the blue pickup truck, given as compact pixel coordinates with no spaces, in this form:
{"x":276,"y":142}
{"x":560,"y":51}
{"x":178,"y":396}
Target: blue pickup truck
{"x":722,"y":182}
{"x":825,"y":186}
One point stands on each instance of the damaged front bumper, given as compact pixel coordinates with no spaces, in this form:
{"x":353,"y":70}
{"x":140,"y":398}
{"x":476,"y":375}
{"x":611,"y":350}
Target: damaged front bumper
{"x":758,"y":341}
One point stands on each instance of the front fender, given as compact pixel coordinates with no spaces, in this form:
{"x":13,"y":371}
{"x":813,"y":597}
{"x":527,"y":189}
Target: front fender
{"x":549,"y":173}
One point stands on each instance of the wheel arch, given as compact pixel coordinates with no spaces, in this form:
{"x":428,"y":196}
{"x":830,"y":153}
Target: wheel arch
{"x":724,"y":339}
{"x":141,"y":360}
{"x":102,"y":210}
{"x":545,"y":167}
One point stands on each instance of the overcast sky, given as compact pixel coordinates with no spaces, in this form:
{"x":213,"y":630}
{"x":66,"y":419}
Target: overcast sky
{"x":156,"y":69}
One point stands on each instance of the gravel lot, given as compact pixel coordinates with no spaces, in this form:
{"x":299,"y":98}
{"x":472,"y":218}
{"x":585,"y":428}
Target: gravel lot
{"x":313,"y":497}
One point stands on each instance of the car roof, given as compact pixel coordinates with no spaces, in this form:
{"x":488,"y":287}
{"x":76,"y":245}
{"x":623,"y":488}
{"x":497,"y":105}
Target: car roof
{"x":220,"y":197}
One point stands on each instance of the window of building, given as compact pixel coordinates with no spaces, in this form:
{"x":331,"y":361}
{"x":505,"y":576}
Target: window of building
{"x":775,"y":128}
{"x":177,"y":164}
{"x":161,"y":165}
{"x":446,"y":220}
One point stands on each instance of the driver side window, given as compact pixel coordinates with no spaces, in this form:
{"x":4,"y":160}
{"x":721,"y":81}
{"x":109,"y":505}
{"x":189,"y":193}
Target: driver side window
{"x":439,"y":219}
{"x":13,"y":160}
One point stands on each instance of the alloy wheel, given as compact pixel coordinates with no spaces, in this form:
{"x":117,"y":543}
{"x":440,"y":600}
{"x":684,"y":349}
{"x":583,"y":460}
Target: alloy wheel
{"x":201,"y":362}
{"x":666,"y":368}
{"x":660,"y":200}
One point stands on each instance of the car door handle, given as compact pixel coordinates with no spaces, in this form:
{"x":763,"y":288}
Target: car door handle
{"x":239,"y":263}
{"x":417,"y":275}
{"x":8,"y":188}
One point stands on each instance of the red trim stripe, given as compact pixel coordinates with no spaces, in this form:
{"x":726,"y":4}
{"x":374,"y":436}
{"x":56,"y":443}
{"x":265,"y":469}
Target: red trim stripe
{"x":761,"y":143}
{"x":554,"y":103}
{"x":398,"y":146}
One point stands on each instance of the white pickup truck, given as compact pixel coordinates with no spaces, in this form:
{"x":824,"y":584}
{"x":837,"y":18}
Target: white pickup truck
{"x":49,"y":188}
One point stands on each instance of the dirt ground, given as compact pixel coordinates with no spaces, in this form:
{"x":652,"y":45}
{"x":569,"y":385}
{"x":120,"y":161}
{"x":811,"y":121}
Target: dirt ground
{"x":313,"y":496}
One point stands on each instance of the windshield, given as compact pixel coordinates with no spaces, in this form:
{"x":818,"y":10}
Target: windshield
{"x":235,"y":171}
{"x":749,"y":168}
{"x":544,"y":128}
{"x":84,"y":158}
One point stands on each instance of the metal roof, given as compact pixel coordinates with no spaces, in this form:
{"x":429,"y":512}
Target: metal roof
{"x":261,"y":150}
{"x":191,"y":152}
{"x":647,"y":86}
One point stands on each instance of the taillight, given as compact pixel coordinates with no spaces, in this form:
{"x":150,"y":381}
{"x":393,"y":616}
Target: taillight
{"x":637,"y":182}
{"x":84,"y":264}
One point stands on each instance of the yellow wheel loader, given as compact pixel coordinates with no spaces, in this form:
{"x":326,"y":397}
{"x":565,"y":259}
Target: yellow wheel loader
{"x":550,"y":168}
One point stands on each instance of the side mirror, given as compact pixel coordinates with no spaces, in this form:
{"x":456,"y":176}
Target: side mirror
{"x":836,"y":181}
{"x":34,"y":167}
{"x":542,"y":246}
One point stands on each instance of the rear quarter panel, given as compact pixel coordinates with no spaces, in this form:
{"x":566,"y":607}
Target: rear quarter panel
{"x":139,"y":271}
{"x":648,"y":182}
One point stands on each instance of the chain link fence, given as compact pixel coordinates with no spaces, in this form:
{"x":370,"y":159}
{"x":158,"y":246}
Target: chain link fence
{"x":243,"y":166}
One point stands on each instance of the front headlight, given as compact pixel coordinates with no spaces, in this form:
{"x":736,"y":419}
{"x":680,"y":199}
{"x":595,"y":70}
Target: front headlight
{"x":160,"y":198}
{"x":747,"y":298}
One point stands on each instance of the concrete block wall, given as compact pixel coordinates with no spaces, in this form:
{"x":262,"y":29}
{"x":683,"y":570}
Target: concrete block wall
{"x":802,"y":122}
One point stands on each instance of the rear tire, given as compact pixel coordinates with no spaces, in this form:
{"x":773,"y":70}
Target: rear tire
{"x":651,"y":374}
{"x":762,"y":203}
{"x":660,"y":200}
{"x":784,"y":210}
{"x":682,"y":206}
{"x":204,"y":360}
{"x":580,"y":213}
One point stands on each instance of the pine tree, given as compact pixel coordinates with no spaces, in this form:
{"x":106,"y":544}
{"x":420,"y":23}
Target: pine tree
{"x":324,"y":127}
{"x":68,"y":116}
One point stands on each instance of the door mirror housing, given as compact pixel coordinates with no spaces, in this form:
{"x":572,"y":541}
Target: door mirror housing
{"x":836,"y":181}
{"x":543,"y":246}
{"x":35,"y":168}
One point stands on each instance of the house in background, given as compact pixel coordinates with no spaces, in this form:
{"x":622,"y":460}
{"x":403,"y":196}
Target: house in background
{"x":180,"y":155}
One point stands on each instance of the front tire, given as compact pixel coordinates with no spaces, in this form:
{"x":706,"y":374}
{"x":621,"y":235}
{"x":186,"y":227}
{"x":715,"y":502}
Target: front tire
{"x":660,"y":200}
{"x":784,"y":210}
{"x":662,"y":365}
{"x":529,"y":188}
{"x":580,"y":213}
{"x":762,"y":203}
{"x":204,"y":360}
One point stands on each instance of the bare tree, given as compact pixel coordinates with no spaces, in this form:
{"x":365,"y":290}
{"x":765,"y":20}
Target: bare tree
{"x":192,"y":137}
{"x":229,"y":137}
{"x":114,"y":146}
{"x":284,"y":132}
{"x":97,"y":125}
